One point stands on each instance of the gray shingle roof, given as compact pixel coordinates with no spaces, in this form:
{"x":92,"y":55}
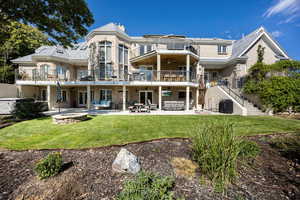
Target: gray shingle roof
{"x":241,"y":45}
{"x":79,"y":51}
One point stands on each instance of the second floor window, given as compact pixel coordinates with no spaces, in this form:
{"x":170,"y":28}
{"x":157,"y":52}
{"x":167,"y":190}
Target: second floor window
{"x":105,"y":51}
{"x":60,"y":70}
{"x":123,"y":61}
{"x":222,"y":49}
{"x":44,"y":70}
{"x":105,"y":59}
{"x":145,"y":48}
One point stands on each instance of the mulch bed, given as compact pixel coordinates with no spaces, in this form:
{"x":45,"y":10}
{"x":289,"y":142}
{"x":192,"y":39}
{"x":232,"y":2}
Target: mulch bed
{"x":88,"y":173}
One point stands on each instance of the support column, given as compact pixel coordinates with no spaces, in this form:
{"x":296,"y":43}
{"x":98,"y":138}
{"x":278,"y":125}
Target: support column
{"x":188,"y":67}
{"x":124,"y":98}
{"x":197,"y":98}
{"x":158,"y":62}
{"x":49,"y":97}
{"x":88,"y":101}
{"x":187,"y":101}
{"x":159,"y":98}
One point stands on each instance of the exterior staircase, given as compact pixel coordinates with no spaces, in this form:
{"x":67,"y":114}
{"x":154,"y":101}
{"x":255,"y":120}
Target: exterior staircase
{"x":237,"y":96}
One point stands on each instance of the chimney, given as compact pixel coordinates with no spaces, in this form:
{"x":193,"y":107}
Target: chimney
{"x":122,"y":27}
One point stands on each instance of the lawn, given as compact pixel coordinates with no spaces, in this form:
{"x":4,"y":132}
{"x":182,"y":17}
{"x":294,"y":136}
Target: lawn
{"x":108,"y":130}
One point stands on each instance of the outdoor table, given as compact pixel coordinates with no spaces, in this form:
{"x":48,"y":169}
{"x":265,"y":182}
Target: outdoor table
{"x":139,"y":106}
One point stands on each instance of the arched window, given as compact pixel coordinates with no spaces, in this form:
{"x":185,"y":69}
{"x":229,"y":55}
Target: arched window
{"x":123,"y":61}
{"x":105,"y":59}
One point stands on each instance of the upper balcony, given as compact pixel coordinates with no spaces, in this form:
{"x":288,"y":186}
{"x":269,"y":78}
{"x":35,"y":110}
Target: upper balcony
{"x":138,"y":76}
{"x":168,"y":48}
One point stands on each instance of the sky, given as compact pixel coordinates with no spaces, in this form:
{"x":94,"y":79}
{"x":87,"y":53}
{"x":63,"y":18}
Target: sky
{"x":228,"y":19}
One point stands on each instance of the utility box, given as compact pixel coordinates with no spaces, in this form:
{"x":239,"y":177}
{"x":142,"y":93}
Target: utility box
{"x":226,"y":106}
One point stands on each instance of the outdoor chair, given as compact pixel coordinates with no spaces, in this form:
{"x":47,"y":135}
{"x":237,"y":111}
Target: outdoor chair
{"x":151,"y":105}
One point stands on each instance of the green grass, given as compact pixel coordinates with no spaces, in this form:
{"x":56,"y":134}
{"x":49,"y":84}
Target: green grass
{"x":108,"y":130}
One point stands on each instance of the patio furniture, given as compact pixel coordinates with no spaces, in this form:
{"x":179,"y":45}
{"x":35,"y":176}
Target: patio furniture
{"x":102,"y":104}
{"x":86,"y":78}
{"x":151,"y":105}
{"x":173,"y":105}
{"x":139,"y":107}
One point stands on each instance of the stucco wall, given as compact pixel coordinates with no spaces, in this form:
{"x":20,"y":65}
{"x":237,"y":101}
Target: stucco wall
{"x":214,"y":95}
{"x":269,"y":56}
{"x":212,"y":51}
{"x":8,"y":91}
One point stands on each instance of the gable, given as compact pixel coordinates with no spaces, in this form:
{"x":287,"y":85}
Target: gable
{"x":270,"y":55}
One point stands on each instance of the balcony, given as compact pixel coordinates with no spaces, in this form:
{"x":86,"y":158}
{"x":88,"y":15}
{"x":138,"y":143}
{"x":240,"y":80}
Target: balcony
{"x":178,"y":47}
{"x":35,"y":75}
{"x":113,"y":75}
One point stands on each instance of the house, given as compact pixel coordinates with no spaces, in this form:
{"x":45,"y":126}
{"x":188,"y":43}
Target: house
{"x":112,"y":66}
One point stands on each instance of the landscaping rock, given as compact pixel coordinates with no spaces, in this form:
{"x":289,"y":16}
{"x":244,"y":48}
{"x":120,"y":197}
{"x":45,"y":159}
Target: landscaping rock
{"x":126,"y":162}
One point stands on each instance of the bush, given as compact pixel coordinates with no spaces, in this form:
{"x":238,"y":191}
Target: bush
{"x":216,"y":149}
{"x":248,"y":149}
{"x":28,"y":109}
{"x":147,"y":186}
{"x":49,"y":166}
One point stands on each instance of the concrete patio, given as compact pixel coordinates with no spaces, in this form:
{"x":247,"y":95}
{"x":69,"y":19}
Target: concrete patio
{"x":120,"y":112}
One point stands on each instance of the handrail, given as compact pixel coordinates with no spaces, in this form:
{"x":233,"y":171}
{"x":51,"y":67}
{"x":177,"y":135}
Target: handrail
{"x":110,"y":75}
{"x":224,"y":85}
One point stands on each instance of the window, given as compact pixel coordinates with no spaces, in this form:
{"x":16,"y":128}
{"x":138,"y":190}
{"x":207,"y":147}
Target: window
{"x":64,"y":96}
{"x":145,"y":48}
{"x":61,"y":72}
{"x":44,"y":95}
{"x":106,"y":95}
{"x":222,"y":49}
{"x":123,"y":61}
{"x":175,"y":46}
{"x":44,"y":69}
{"x":182,"y":95}
{"x":105,"y":70}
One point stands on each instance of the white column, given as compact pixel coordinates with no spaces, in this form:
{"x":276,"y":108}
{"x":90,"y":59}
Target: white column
{"x":158,"y":62}
{"x":188,"y":67}
{"x":187,"y":104}
{"x":124,"y":98}
{"x":88,"y":101}
{"x":49,"y":97}
{"x":197,"y":98}
{"x":159,"y":98}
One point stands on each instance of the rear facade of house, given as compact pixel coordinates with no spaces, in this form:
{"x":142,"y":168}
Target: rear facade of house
{"x":114,"y":67}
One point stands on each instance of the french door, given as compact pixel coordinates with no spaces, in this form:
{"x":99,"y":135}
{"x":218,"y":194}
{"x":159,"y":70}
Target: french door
{"x":145,"y":96}
{"x":82,"y":98}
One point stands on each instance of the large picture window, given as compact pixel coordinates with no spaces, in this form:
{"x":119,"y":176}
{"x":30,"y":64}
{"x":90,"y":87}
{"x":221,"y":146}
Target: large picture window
{"x":123,"y":61}
{"x":105,"y":67}
{"x":106,"y":95}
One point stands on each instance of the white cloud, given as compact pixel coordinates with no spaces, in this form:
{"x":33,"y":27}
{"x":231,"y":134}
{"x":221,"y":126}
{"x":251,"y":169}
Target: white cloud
{"x":276,"y":34}
{"x":290,"y":9}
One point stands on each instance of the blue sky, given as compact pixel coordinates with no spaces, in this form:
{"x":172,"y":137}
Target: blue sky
{"x":228,"y":19}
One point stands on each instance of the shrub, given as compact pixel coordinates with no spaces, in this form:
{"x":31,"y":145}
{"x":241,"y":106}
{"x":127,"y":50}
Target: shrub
{"x":49,"y":166}
{"x":27,"y":109}
{"x":248,"y":149}
{"x":147,"y":186}
{"x":216,"y":149}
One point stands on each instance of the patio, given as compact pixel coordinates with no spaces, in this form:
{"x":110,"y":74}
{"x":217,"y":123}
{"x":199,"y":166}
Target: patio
{"x":120,"y":112}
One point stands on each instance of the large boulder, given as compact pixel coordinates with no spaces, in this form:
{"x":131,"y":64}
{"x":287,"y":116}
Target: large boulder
{"x":126,"y":162}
